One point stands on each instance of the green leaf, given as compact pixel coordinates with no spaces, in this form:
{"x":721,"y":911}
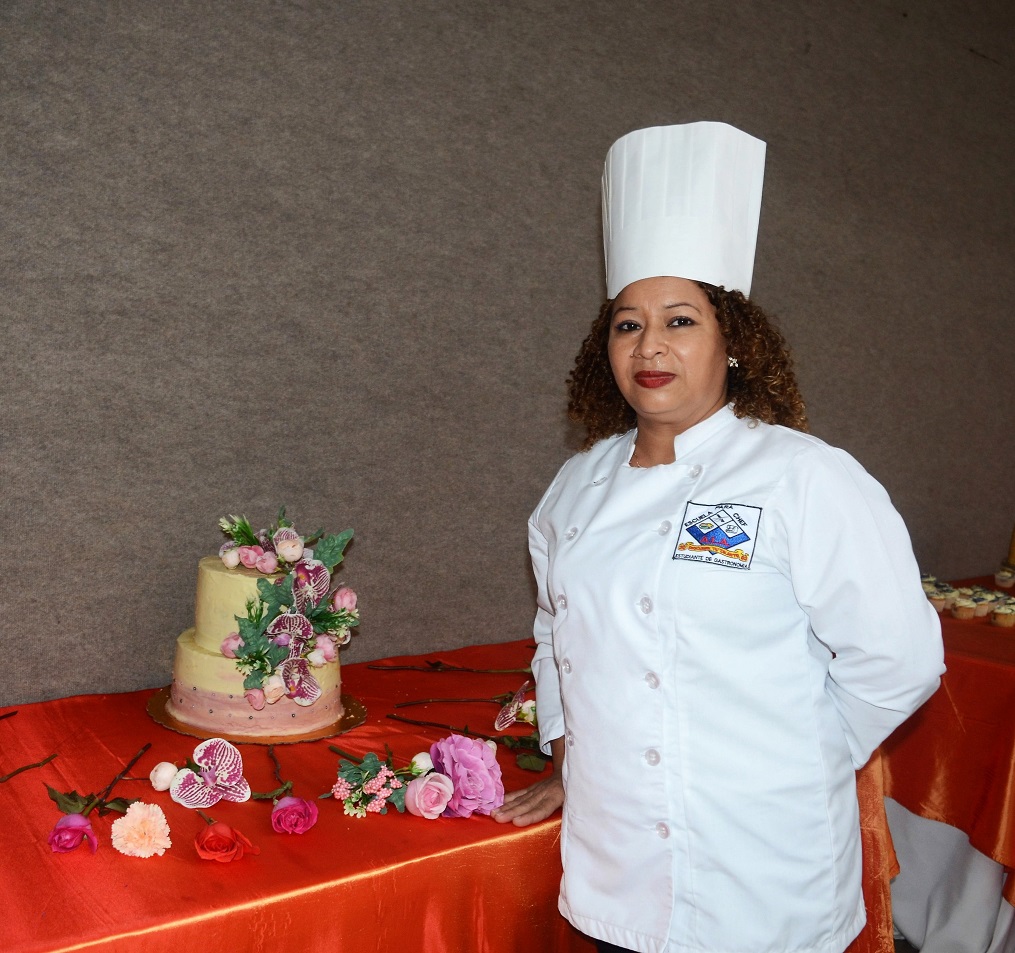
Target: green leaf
{"x":531,"y":762}
{"x":71,"y":802}
{"x":254,"y":680}
{"x":397,"y":799}
{"x":275,"y":597}
{"x":329,"y":550}
{"x":118,"y":804}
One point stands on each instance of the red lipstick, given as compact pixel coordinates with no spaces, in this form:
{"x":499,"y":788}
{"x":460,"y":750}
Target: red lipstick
{"x":653,"y":378}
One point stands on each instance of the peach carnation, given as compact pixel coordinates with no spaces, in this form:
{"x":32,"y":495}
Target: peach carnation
{"x":142,"y":831}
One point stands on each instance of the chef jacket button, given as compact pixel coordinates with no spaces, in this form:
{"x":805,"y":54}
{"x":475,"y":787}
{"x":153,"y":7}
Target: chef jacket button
{"x":652,"y":757}
{"x":565,"y":666}
{"x":695,"y":471}
{"x":645,"y":603}
{"x":571,"y":533}
{"x":664,"y":527}
{"x":561,"y":601}
{"x":662,"y":830}
{"x":569,"y":738}
{"x":651,"y":679}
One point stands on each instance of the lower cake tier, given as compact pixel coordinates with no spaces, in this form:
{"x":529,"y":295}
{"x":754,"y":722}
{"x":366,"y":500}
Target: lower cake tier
{"x":207,"y":692}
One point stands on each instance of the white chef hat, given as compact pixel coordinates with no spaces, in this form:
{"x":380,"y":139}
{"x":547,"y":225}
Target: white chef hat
{"x":682,"y":201}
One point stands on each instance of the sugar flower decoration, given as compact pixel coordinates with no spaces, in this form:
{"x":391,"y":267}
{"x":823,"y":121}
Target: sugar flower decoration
{"x":219,"y":776}
{"x":142,"y":831}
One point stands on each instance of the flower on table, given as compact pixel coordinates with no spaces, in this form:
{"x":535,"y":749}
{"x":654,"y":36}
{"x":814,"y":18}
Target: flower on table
{"x":421,"y":763}
{"x":293,"y":815}
{"x":527,"y":713}
{"x":221,"y":776}
{"x":162,"y":775}
{"x":428,"y":795}
{"x":220,"y":842}
{"x":69,"y":832}
{"x":475,"y":773}
{"x":142,"y":832}
{"x":507,"y":716}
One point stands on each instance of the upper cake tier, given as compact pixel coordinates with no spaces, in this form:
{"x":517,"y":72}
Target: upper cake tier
{"x":222,"y":594}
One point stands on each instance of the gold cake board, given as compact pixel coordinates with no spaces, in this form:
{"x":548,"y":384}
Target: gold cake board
{"x":354,"y":716}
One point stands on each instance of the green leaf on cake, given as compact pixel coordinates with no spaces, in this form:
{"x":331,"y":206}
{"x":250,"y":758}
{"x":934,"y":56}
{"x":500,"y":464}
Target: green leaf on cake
{"x":275,"y":597}
{"x":329,"y":550}
{"x":238,"y":529}
{"x":253,"y":680}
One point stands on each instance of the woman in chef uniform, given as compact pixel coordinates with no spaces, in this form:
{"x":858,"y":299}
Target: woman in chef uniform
{"x":730,"y":618}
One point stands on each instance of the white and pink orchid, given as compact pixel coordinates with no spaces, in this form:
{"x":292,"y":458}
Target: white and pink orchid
{"x":220,"y":777}
{"x":292,"y":629}
{"x":311,"y":580}
{"x":300,"y":685}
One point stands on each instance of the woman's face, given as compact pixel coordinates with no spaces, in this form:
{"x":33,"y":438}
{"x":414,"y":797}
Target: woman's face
{"x":667,"y":353}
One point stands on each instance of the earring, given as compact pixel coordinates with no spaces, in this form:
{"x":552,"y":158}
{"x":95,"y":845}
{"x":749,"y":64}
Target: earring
{"x":732,"y":361}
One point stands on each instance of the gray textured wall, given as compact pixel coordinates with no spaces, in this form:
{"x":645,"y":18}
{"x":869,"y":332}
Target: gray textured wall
{"x":341,"y":255}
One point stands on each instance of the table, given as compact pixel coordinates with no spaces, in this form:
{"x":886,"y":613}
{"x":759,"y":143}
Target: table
{"x":953,"y":762}
{"x":392,"y":882}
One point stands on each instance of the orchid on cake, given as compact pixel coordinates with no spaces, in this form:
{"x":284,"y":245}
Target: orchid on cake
{"x":262,"y":658}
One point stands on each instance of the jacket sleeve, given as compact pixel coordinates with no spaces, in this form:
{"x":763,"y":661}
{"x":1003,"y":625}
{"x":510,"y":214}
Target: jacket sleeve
{"x":549,"y":711}
{"x":852,"y":568}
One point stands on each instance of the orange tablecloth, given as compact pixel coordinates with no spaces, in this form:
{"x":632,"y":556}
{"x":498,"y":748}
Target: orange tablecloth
{"x":954,"y":760}
{"x":395,"y":882}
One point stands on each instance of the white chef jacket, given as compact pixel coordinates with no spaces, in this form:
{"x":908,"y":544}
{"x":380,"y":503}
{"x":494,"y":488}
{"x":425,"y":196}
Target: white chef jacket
{"x":721,"y":642}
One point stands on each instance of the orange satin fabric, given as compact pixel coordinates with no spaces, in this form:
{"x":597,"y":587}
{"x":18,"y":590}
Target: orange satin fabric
{"x":378,"y":883}
{"x":954,"y":760}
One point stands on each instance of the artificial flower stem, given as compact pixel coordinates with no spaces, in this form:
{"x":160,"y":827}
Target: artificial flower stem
{"x":101,"y":798}
{"x":27,"y":767}
{"x":207,"y":819}
{"x":344,"y":754}
{"x":428,"y":701}
{"x":8,"y":714}
{"x":436,"y":724}
{"x":439,"y":666}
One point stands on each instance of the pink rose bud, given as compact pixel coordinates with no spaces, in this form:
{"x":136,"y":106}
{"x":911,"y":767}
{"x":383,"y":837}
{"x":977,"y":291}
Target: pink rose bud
{"x":288,"y":544}
{"x":231,"y":558}
{"x":255,"y":697}
{"x":249,"y":555}
{"x":316,"y":658}
{"x":273,"y":688}
{"x":68,"y":833}
{"x":162,"y":775}
{"x":343,"y":598}
{"x":267,"y":563}
{"x":429,"y":795}
{"x":230,"y":644}
{"x":293,"y":815}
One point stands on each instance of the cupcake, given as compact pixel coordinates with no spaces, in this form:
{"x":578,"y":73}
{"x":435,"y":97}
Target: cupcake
{"x":1003,"y":616}
{"x":938,"y":600}
{"x":985,"y":602}
{"x":1005,"y":578}
{"x":963,"y":608}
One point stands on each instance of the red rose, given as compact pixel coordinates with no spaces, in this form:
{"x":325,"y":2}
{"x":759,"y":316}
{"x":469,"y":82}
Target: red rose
{"x":220,"y":842}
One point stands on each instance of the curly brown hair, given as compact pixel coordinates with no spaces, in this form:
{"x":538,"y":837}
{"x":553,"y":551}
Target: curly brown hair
{"x":763,"y":386}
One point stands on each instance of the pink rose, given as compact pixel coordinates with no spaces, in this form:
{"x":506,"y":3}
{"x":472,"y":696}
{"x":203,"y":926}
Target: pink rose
{"x":249,"y":555}
{"x":255,"y":697}
{"x":273,"y":688}
{"x":473,"y":770}
{"x":343,"y":598}
{"x":68,"y":833}
{"x":267,"y":563}
{"x":230,"y":644}
{"x":327,"y":647}
{"x":429,"y":795}
{"x":293,"y":815}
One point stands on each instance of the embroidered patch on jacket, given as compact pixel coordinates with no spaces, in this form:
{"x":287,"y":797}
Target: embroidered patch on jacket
{"x":719,"y":533}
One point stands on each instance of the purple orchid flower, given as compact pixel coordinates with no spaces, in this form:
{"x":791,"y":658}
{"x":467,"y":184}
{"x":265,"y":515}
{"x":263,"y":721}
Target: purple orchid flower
{"x":292,"y":629}
{"x":506,"y":716}
{"x":311,"y":581}
{"x":300,"y":685}
{"x":221,"y":776}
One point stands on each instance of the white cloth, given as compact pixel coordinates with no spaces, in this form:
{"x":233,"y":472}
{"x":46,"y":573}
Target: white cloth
{"x":710,"y":735}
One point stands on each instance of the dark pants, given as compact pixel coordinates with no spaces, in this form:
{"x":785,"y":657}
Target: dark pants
{"x":603,"y":947}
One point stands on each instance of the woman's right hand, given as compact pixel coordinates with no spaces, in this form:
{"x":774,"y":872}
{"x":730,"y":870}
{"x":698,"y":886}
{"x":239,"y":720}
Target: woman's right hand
{"x":540,"y":800}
